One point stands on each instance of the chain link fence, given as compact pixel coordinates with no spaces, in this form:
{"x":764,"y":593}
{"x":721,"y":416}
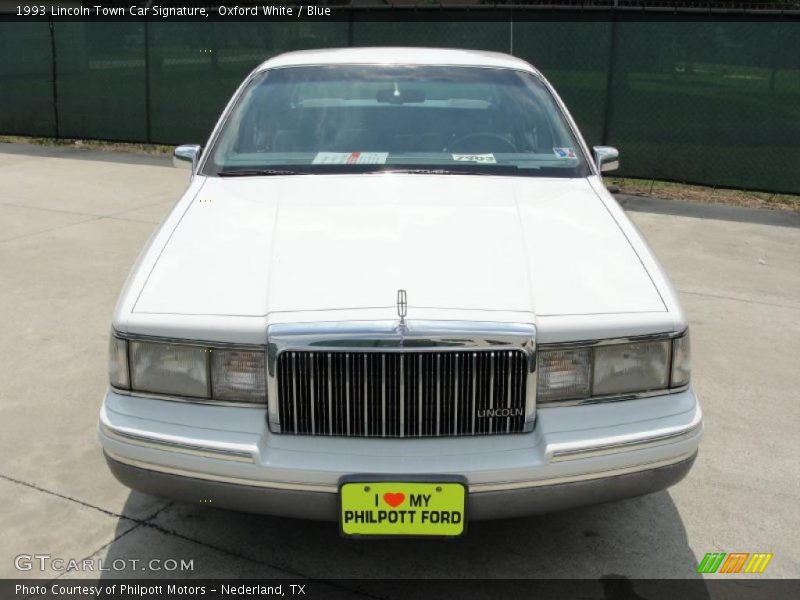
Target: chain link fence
{"x":714,"y":102}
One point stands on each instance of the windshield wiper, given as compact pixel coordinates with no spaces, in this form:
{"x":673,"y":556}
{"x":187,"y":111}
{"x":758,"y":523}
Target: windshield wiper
{"x":257,"y":172}
{"x":436,"y":172}
{"x":354,"y":169}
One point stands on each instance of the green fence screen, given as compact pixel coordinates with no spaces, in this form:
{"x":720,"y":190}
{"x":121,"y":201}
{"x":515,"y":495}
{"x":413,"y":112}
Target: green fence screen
{"x":715,"y":103}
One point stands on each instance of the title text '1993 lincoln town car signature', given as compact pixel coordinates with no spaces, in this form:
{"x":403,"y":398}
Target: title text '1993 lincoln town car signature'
{"x":396,"y":294}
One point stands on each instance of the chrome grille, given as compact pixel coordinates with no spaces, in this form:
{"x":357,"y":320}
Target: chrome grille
{"x":401,"y":394}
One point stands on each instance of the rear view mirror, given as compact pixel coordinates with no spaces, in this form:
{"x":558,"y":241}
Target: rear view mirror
{"x":606,"y":158}
{"x":395,"y":96}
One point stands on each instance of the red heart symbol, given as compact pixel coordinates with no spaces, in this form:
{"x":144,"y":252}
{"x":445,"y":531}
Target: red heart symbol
{"x":394,"y":500}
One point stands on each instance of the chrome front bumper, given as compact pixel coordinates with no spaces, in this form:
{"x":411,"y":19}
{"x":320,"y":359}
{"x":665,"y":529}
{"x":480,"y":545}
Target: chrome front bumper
{"x":227,"y":457}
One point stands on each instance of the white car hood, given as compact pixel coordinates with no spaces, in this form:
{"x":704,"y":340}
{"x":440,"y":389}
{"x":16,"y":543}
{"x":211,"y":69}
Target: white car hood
{"x":256,"y":246}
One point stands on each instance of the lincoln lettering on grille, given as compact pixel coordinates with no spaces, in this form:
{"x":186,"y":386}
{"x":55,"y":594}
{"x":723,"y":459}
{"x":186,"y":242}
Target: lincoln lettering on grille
{"x":402,"y":394}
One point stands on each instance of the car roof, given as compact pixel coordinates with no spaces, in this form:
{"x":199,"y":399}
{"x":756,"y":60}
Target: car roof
{"x":398,"y":55}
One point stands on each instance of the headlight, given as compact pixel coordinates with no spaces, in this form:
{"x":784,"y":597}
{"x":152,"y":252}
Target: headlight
{"x":188,"y":370}
{"x":624,"y":368}
{"x":612,"y":369}
{"x":172,"y":369}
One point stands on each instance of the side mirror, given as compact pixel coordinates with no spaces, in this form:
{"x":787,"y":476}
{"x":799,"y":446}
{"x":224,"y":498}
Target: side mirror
{"x":186,"y":156}
{"x":606,"y":158}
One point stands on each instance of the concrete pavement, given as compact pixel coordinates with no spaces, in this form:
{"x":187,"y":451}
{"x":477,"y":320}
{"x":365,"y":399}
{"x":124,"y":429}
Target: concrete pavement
{"x":71,"y":225}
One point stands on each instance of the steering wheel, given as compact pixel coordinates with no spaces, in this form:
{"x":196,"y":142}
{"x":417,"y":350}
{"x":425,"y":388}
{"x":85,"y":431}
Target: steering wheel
{"x":482,"y":142}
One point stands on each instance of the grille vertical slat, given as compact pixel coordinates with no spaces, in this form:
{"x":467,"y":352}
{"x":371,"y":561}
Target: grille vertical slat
{"x":455,"y":394}
{"x":419,"y":396}
{"x":365,"y":391}
{"x":438,"y":391}
{"x":311,"y":389}
{"x":294,"y":389}
{"x":474,"y":388}
{"x":347,"y":393}
{"x":508,"y":390}
{"x":401,"y":394}
{"x":383,"y":395}
{"x":330,"y":395}
{"x":491,"y":389}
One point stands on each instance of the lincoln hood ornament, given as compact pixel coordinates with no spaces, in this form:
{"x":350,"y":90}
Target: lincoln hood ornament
{"x":402,"y":309}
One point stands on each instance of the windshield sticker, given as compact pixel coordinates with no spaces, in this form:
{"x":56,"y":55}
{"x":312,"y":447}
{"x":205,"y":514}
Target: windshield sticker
{"x":350,"y":158}
{"x":476,"y":158}
{"x":564,"y":152}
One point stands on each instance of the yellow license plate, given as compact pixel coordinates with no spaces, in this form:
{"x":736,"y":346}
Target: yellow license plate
{"x":397,"y":508}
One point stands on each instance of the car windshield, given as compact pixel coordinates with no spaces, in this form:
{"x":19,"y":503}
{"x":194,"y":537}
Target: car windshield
{"x":357,"y":118}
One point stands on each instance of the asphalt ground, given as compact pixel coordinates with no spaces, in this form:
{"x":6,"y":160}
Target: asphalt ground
{"x":71,"y":224}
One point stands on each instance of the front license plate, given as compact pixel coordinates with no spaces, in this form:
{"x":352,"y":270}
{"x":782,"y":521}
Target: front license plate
{"x":398,"y":508}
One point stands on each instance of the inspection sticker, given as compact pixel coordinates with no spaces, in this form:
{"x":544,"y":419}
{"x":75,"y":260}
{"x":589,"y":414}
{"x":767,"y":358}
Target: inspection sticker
{"x":476,"y":158}
{"x":564,"y":152}
{"x":350,"y":158}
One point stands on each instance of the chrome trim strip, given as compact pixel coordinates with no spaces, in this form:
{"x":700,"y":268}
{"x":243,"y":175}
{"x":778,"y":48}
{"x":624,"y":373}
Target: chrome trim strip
{"x":187,"y":399}
{"x":627,"y":446}
{"x":573,"y":126}
{"x":278,"y":485}
{"x":479,"y":488}
{"x":223,"y":119}
{"x":531,"y":391}
{"x":383,"y":336}
{"x":137,"y":337}
{"x":172,"y":446}
{"x":612,"y":397}
{"x":650,"y":337}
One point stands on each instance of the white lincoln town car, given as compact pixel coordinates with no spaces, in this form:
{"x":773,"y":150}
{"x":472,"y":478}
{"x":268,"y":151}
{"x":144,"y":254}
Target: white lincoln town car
{"x":396,"y":294}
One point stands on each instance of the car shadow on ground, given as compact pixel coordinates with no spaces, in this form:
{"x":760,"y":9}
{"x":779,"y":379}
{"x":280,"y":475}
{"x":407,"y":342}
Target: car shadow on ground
{"x":615,"y":542}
